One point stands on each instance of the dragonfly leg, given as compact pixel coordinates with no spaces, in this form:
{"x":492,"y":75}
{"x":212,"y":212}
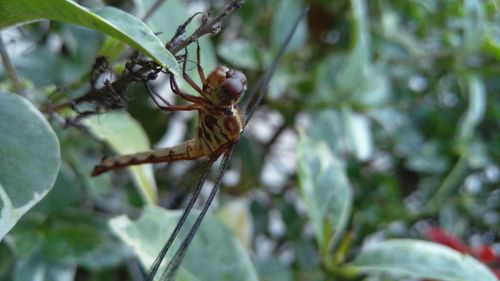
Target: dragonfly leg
{"x":189,"y":80}
{"x":168,"y":106}
{"x":198,"y":63}
{"x":154,"y":95}
{"x":178,"y":107}
{"x":176,"y":90}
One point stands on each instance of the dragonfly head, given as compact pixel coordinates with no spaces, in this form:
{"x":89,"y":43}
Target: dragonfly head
{"x":228,"y":84}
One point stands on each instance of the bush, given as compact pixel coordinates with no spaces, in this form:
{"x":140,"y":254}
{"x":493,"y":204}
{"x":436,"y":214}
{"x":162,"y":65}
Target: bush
{"x":378,"y":131}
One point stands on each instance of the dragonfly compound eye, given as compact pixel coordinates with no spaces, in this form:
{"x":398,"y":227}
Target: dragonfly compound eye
{"x":233,"y":87}
{"x":227,"y":84}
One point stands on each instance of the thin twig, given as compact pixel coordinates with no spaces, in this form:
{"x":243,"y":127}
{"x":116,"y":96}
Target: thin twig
{"x":210,"y":26}
{"x":11,"y":70}
{"x":182,"y":29}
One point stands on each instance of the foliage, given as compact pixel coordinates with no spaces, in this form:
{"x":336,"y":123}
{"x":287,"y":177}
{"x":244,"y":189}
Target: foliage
{"x":378,"y":128}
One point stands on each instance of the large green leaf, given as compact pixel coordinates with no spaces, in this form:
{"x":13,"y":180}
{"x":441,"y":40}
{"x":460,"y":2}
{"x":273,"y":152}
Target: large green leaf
{"x":215,"y":253}
{"x":29,"y":158}
{"x":126,"y":136}
{"x":421,"y":259}
{"x":325,"y":190}
{"x":113,"y":22}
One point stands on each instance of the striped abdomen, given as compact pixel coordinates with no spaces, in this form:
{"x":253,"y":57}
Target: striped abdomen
{"x":187,"y":150}
{"x":217,"y":131}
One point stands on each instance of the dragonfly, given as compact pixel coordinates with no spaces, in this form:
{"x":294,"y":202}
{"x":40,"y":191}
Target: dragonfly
{"x":220,"y":124}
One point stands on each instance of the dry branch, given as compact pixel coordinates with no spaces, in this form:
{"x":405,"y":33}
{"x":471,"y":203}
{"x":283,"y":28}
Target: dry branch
{"x":139,"y":70}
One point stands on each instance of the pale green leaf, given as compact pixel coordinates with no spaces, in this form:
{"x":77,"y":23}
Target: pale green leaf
{"x":239,"y":53}
{"x":325,"y":191}
{"x":37,"y":268}
{"x":358,"y":133}
{"x":475,"y":26}
{"x":237,"y":216}
{"x":29,"y":158}
{"x":214,"y":254}
{"x":126,"y":136}
{"x":421,"y":259}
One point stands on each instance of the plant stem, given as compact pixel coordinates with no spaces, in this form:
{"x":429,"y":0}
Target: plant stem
{"x":11,"y":70}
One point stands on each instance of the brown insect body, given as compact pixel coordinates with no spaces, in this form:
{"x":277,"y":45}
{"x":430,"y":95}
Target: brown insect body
{"x":220,"y":123}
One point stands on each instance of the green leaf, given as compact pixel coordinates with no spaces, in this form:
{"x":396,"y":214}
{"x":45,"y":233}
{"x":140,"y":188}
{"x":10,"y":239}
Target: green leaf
{"x":239,"y":53}
{"x":126,"y":136}
{"x":177,"y":14}
{"x":358,"y":132}
{"x":71,"y":237}
{"x":236,"y":215}
{"x":421,"y":259}
{"x":360,"y":57}
{"x":476,"y":110}
{"x":427,"y":158}
{"x":325,"y":190}
{"x":45,"y":66}
{"x":491,"y":44}
{"x":71,"y":242}
{"x":450,"y":184}
{"x":272,"y":269}
{"x":353,"y":78}
{"x":38,"y":268}
{"x":62,"y":195}
{"x":110,"y":21}
{"x":328,"y":128}
{"x":475,"y":25}
{"x":393,"y":28}
{"x":214,"y":254}
{"x":30,"y":158}
{"x":286,"y":13}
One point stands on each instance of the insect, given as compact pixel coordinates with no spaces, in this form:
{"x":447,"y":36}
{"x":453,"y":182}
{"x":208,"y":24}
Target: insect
{"x":220,"y":122}
{"x":219,"y":126}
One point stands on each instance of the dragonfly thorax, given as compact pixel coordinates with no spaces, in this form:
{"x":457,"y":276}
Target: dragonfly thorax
{"x":225,"y":86}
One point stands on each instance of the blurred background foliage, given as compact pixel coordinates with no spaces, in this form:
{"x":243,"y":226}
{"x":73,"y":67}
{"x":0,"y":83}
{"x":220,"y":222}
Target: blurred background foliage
{"x":380,"y":122}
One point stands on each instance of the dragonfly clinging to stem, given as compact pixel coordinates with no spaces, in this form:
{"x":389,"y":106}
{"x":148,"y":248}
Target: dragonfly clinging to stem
{"x":220,"y":124}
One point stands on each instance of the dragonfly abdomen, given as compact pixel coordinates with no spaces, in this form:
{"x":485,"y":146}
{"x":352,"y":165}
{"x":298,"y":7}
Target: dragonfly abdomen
{"x":188,"y":150}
